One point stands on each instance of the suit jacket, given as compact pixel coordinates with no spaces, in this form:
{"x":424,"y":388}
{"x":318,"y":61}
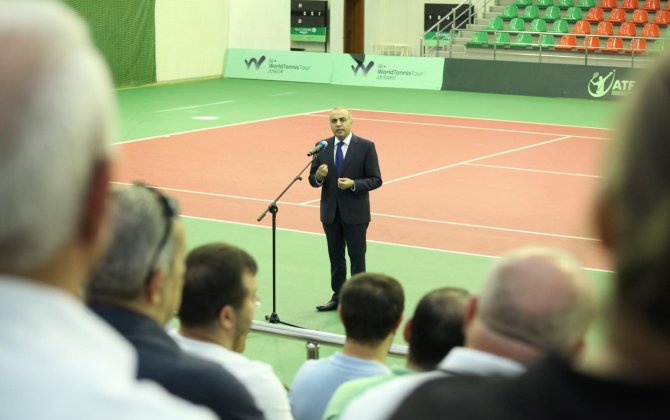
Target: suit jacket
{"x":361,"y":165}
{"x":191,"y":378}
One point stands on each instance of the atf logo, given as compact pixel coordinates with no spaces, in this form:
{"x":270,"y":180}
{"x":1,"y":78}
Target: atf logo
{"x":360,"y":65}
{"x":601,"y":85}
{"x":255,"y":62}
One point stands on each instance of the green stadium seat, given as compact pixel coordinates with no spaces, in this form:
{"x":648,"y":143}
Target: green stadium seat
{"x":516,"y":24}
{"x":523,"y":3}
{"x":538,"y":25}
{"x":560,"y":26}
{"x":479,"y":39}
{"x":530,"y":12}
{"x":546,"y":41}
{"x":522,"y":40}
{"x":565,"y":4}
{"x":551,"y":13}
{"x":544,"y":3}
{"x":586,"y":4}
{"x":573,"y":14}
{"x":510,"y":11}
{"x":502,"y":39}
{"x":495,"y":24}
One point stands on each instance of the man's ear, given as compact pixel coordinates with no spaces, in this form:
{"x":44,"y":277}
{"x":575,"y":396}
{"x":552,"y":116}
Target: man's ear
{"x":470,"y":313}
{"x":95,"y":207}
{"x":408,"y":329}
{"x":153,"y":290}
{"x":227,"y":318}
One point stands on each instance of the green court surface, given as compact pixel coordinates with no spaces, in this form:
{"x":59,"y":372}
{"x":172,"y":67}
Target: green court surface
{"x":302,"y":261}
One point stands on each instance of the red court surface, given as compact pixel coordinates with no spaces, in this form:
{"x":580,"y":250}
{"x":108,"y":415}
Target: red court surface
{"x":455,"y":184}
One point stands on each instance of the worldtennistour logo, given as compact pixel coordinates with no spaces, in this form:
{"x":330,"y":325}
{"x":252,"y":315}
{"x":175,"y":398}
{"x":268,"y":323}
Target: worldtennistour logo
{"x":255,"y":62}
{"x":360,"y":65}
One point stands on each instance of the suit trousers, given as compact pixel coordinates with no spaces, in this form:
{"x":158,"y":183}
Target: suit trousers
{"x":341,"y":235}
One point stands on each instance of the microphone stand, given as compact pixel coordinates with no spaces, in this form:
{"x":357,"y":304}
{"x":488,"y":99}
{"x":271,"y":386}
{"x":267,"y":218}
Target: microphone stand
{"x":272,"y":208}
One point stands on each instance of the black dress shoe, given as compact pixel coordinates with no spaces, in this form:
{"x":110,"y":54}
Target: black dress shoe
{"x":330,"y":306}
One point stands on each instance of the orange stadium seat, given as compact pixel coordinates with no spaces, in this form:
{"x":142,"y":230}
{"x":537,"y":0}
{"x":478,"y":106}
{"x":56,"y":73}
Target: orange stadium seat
{"x":596,"y":14}
{"x":640,"y":17}
{"x":629,"y":4}
{"x":652,"y":5}
{"x":662,"y":18}
{"x":605,"y":28}
{"x":567,"y":43}
{"x":617,"y":16}
{"x":608,"y":4}
{"x":613,"y":46}
{"x":650,"y":30}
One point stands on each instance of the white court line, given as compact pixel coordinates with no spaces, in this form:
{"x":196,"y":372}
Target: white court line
{"x":467,"y":127}
{"x":285,"y":93}
{"x":483,"y":119}
{"x":532,"y":170}
{"x":217,"y":127}
{"x":448,"y":251}
{"x":194,"y":106}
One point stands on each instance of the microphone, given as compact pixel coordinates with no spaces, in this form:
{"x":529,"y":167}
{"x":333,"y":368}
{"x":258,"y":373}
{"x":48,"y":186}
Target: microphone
{"x":319,"y":147}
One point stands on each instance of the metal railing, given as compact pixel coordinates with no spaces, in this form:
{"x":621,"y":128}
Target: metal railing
{"x":312,"y":338}
{"x":456,"y":19}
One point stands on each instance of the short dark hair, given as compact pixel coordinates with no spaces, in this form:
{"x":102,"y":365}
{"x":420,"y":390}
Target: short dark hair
{"x":213,"y":280}
{"x":371,"y":305}
{"x":437,"y":326}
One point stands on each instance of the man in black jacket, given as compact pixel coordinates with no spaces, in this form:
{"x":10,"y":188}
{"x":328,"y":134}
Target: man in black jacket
{"x":346,"y":172}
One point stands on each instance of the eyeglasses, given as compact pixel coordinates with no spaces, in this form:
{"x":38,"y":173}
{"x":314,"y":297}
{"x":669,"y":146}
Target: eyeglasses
{"x":170,"y":212}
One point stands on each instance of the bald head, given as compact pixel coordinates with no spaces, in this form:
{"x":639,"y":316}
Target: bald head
{"x":539,"y":297}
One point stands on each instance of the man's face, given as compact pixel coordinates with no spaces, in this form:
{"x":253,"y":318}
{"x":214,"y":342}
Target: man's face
{"x":340,"y":123}
{"x":245,"y":314}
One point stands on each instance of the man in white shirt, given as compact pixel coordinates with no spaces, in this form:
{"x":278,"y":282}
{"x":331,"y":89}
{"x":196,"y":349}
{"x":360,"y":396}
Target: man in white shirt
{"x":534,"y":301}
{"x":58,"y":360}
{"x":218,"y":302}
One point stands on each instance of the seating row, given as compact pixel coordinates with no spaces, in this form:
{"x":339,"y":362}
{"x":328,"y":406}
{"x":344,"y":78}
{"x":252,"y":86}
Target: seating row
{"x":649,"y":5}
{"x":649,"y":29}
{"x":595,"y":14}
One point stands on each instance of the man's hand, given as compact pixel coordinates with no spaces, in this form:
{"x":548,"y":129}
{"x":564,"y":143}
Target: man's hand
{"x":345,"y":183}
{"x":321,"y":172}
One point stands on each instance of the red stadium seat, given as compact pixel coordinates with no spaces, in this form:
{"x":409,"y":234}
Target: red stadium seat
{"x":629,"y":4}
{"x":568,"y":43}
{"x":640,"y":17}
{"x":637,"y":46}
{"x":662,"y":18}
{"x":650,"y":30}
{"x":608,"y":4}
{"x":617,"y":16}
{"x":613,"y":46}
{"x":582,"y":27}
{"x":605,"y":28}
{"x":627,"y":29}
{"x":651,"y":5}
{"x":596,"y":14}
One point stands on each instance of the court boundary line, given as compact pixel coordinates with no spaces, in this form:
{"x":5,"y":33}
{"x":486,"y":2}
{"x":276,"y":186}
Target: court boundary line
{"x":469,"y":127}
{"x":197,"y":130}
{"x":391,"y":216}
{"x":448,"y":251}
{"x":512,"y":168}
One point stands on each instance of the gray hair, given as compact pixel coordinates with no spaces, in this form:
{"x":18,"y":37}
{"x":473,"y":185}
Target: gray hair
{"x":140,"y":224}
{"x":539,"y":296}
{"x":55,"y":127}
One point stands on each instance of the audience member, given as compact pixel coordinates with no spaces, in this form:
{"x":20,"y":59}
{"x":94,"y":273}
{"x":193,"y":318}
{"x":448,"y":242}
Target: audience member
{"x":534,"y":301}
{"x":137,"y":289}
{"x":57,"y":360}
{"x":436,"y":328}
{"x":216,"y":311}
{"x":630,"y":377}
{"x":370,"y":308}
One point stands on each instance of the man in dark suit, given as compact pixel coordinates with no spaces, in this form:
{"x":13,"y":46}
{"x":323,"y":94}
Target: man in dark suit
{"x":137,"y":289}
{"x":346,"y":172}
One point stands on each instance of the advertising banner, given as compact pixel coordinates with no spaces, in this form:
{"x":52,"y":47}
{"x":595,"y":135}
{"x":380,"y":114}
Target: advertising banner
{"x":313,"y":34}
{"x":278,"y":65}
{"x":388,"y":71}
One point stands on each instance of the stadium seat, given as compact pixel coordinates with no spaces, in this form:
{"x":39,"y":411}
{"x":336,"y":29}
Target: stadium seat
{"x":605,"y":28}
{"x":516,"y":24}
{"x":530,"y":12}
{"x":573,"y":14}
{"x":629,"y":4}
{"x":546,"y":42}
{"x":652,"y":5}
{"x":510,"y":11}
{"x":551,"y":13}
{"x":565,"y":4}
{"x":582,"y":27}
{"x":662,"y":18}
{"x":617,"y":16}
{"x":613,"y":46}
{"x":479,"y":39}
{"x":586,"y":4}
{"x":596,"y":14}
{"x":560,"y":26}
{"x":627,"y":29}
{"x":538,"y":25}
{"x":495,"y":24}
{"x":567,"y":43}
{"x":650,"y":30}
{"x":637,"y":46}
{"x":640,"y":17}
{"x":590,"y":43}
{"x":502,"y":39}
{"x":522,"y":40}
{"x":523,"y":3}
{"x":544,"y":3}
{"x":608,"y":4}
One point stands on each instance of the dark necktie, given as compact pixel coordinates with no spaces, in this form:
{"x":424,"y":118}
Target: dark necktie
{"x":339,"y":159}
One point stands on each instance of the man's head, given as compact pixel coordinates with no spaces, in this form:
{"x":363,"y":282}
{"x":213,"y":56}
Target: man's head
{"x":534,"y":300}
{"x":143,"y":268}
{"x":436,"y":327}
{"x":371,"y":307}
{"x":220,"y":294}
{"x":55,"y":129}
{"x":634,"y":210}
{"x":340,"y":122}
